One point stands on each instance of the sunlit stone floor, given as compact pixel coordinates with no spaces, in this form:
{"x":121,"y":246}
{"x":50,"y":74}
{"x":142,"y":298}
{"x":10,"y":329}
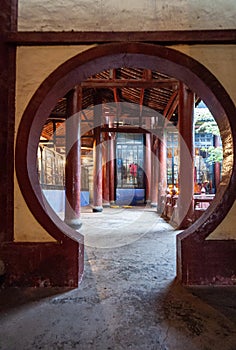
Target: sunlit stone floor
{"x":128,"y":298}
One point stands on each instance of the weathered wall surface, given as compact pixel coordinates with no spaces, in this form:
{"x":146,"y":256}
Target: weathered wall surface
{"x":108,"y":15}
{"x":34,"y":64}
{"x":220,"y":60}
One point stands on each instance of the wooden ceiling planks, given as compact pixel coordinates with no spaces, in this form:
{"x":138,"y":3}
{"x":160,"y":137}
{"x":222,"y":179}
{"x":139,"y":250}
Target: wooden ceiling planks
{"x":150,"y":91}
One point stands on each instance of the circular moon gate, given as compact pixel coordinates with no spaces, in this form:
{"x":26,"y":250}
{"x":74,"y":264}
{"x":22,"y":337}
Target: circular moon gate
{"x":130,"y":55}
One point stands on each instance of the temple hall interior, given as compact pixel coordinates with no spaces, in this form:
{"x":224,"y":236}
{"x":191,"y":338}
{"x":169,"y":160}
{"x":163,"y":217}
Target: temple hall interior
{"x":118,"y":175}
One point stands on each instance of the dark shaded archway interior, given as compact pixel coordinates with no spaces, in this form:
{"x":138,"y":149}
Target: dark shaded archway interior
{"x":191,"y":242}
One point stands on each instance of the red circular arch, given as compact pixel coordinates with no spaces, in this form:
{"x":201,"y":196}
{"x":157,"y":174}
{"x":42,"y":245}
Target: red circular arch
{"x":95,"y":60}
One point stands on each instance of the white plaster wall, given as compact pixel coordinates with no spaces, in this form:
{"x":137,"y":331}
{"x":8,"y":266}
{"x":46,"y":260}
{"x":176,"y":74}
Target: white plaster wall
{"x":227,"y":229}
{"x":34,"y":64}
{"x":220,"y":60}
{"x":123,"y":15}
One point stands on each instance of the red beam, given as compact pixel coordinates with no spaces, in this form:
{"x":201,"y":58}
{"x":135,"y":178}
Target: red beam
{"x":171,"y":106}
{"x":130,"y":83}
{"x":226,"y":36}
{"x":130,"y":130}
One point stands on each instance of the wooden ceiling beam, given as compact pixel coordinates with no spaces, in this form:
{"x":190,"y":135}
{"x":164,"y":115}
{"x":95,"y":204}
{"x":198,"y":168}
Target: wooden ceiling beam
{"x":130,"y":83}
{"x":166,"y":37}
{"x":171,"y":106}
{"x":113,"y":75}
{"x":126,"y":129}
{"x":147,"y":75}
{"x":86,"y":119}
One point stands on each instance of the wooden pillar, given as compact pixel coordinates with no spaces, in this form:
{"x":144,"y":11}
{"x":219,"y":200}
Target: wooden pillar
{"x":154,"y":174}
{"x":97,"y":160}
{"x":217,"y":165}
{"x":105,"y":167}
{"x":162,"y":172}
{"x":73,"y":162}
{"x":112,"y":169}
{"x":148,"y":158}
{"x":105,"y":172}
{"x":185,"y":207}
{"x":8,"y":22}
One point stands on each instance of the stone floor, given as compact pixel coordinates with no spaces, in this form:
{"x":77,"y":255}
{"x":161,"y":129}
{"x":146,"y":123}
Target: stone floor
{"x":128,"y":298}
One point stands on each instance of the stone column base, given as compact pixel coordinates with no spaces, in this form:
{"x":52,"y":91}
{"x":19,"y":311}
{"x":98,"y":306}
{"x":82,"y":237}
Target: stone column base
{"x":74,"y":223}
{"x":106,"y":205}
{"x":97,"y":209}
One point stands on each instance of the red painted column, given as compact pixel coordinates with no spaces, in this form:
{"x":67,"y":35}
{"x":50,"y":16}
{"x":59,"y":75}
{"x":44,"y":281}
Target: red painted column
{"x":73,"y":162}
{"x":162,"y":172}
{"x":148,"y":159}
{"x":8,"y":23}
{"x":105,"y":166}
{"x":112,"y":169}
{"x":154,"y":175}
{"x":97,"y":160}
{"x":185,"y":207}
{"x":105,"y":175}
{"x":217,"y":167}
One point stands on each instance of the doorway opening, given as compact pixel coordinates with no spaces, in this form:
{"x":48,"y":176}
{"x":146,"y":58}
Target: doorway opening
{"x":112,"y":56}
{"x":140,"y":148}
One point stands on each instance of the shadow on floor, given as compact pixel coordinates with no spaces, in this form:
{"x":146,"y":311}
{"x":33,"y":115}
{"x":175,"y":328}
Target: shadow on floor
{"x":220,"y":298}
{"x":15,"y":297}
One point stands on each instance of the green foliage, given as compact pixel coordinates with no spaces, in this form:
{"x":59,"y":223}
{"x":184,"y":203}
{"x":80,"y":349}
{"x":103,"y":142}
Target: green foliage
{"x":214,"y":154}
{"x":209,"y":127}
{"x":205,"y":123}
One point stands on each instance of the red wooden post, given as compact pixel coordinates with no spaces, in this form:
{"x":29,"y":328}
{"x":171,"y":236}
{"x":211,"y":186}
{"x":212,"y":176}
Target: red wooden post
{"x":185,"y":206}
{"x":97,"y":160}
{"x":112,"y":169}
{"x":8,"y":23}
{"x":106,"y":166}
{"x":148,"y":158}
{"x":73,"y":166}
{"x":217,"y":164}
{"x":105,"y":172}
{"x":154,"y":175}
{"x":162,"y":172}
